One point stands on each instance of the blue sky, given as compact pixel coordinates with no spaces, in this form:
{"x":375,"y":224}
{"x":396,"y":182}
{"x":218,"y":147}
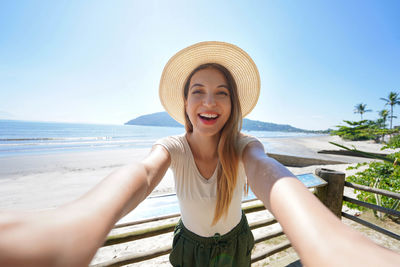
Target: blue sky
{"x":101,"y":61}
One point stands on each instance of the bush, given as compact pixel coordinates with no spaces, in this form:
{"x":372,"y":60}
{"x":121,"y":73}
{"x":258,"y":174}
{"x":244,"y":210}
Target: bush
{"x":357,"y":131}
{"x":394,"y":142}
{"x":382,"y":175}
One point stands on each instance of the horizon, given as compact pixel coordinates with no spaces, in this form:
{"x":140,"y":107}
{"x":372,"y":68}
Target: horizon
{"x":101,"y":62}
{"x":125,"y":123}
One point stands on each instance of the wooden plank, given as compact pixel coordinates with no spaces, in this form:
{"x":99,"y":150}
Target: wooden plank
{"x":262,"y":223}
{"x":258,"y":207}
{"x":295,"y":161}
{"x":139,"y":257}
{"x":271,"y":251}
{"x":291,"y":260}
{"x":152,"y":219}
{"x":373,"y":190}
{"x":135,"y":257}
{"x":372,"y":206}
{"x":166,"y":228}
{"x":350,"y":153}
{"x":372,"y":226}
{"x":139,"y":234}
{"x":270,"y":235}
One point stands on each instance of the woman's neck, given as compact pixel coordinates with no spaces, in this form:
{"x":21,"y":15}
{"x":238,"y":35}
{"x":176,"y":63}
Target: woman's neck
{"x":203,"y":147}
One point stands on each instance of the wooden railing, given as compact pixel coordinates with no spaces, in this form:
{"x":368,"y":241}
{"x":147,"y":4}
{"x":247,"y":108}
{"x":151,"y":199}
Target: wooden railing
{"x":330,"y":194}
{"x":373,"y":207}
{"x":165,"y":228}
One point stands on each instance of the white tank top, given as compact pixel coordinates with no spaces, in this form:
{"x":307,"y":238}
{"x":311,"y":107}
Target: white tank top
{"x":197,"y":195}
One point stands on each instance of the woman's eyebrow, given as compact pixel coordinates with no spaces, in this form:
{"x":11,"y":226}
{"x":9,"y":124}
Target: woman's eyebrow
{"x":201,"y":85}
{"x":196,"y":84}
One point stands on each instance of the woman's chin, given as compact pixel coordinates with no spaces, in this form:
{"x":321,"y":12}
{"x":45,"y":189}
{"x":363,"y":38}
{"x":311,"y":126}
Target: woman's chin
{"x":207,"y":131}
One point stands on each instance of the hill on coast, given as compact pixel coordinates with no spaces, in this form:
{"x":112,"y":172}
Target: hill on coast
{"x":164,"y":120}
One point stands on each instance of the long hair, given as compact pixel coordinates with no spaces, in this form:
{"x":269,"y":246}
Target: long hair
{"x":227,"y":146}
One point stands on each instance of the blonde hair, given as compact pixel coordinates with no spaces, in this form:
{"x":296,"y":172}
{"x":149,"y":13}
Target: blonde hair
{"x":227,"y":146}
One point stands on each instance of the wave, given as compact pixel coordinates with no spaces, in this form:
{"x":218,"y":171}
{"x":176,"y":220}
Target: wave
{"x":8,"y":151}
{"x":53,"y":142}
{"x":55,"y":138}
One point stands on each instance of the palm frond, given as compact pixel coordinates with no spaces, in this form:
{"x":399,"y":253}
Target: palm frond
{"x":364,"y":153}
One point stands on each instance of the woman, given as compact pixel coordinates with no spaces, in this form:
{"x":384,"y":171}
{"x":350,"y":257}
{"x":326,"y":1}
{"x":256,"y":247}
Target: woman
{"x":208,"y":178}
{"x":210,"y":163}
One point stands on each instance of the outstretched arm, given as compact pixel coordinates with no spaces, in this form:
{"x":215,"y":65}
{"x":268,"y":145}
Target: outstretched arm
{"x":315,"y":233}
{"x":71,"y":234}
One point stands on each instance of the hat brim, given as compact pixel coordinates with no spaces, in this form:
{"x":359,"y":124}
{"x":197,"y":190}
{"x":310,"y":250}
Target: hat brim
{"x":178,"y":68}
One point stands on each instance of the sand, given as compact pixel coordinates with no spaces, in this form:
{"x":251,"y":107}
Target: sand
{"x":45,"y":181}
{"x":34,"y":182}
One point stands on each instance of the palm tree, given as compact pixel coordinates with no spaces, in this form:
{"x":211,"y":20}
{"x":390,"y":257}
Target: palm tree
{"x":392,"y":100}
{"x":361,"y":108}
{"x":384,"y":113}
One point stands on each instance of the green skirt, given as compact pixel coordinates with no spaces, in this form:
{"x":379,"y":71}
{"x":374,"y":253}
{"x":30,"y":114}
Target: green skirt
{"x":231,"y":249}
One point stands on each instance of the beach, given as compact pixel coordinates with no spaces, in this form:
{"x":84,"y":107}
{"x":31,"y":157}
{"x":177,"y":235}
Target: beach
{"x":29,"y":182}
{"x":35,"y":182}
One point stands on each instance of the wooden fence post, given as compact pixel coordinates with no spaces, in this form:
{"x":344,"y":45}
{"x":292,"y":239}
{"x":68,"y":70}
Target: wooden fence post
{"x":332,"y":194}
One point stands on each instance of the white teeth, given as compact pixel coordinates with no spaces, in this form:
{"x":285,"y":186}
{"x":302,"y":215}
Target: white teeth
{"x":211,"y":116}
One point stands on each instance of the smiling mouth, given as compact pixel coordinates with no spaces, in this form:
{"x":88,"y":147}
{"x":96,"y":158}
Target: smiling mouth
{"x":208,"y":117}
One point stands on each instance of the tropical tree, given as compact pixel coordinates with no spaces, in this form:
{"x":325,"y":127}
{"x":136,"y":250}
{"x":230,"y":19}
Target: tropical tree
{"x":361,"y":108}
{"x":383,"y":114}
{"x":392,"y":100}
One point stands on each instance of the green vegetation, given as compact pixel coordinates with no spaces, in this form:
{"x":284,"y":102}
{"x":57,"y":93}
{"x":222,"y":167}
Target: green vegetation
{"x":392,"y":100}
{"x":382,"y":175}
{"x":358,"y":130}
{"x":393,"y":143}
{"x":361,"y":108}
{"x":364,"y":130}
{"x":370,"y":129}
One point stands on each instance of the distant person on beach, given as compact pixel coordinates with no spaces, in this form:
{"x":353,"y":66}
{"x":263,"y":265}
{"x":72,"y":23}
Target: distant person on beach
{"x":209,"y":87}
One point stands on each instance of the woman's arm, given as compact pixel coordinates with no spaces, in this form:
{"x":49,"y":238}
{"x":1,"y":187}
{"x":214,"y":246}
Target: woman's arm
{"x":71,"y":234}
{"x":318,"y":236}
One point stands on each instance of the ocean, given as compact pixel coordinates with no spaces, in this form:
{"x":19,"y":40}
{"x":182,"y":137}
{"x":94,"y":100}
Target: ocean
{"x":19,"y":138}
{"x":27,"y":137}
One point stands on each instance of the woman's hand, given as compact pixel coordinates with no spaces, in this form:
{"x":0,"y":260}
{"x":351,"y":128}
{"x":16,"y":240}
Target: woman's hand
{"x":318,"y":236}
{"x":71,"y":234}
{"x":59,"y":237}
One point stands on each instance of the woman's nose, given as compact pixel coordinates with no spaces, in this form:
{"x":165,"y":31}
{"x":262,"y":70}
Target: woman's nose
{"x":209,"y":100}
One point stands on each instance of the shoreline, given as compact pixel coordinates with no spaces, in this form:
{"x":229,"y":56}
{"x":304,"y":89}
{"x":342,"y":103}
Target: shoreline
{"x":29,"y":182}
{"x":35,"y":182}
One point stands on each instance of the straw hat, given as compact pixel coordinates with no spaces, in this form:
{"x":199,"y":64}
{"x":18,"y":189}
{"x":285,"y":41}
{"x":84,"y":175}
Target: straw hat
{"x":178,"y":68}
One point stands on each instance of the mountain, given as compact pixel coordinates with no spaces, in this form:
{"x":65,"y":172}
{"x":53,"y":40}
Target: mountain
{"x":164,"y":120}
{"x":251,"y":125}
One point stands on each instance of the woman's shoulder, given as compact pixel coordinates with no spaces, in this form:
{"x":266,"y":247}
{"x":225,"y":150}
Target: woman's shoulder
{"x":172,"y":142}
{"x":244,"y":140}
{"x":247,"y":138}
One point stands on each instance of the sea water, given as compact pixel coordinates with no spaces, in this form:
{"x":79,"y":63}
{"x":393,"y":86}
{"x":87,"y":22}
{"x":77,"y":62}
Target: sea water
{"x":19,"y":138}
{"x":27,"y":137}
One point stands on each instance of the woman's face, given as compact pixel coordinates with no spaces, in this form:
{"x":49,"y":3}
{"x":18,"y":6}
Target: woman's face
{"x":208,"y":104}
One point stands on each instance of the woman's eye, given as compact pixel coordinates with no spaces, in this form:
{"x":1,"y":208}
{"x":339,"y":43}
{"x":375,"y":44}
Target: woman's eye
{"x":196,"y":92}
{"x":223,"y":93}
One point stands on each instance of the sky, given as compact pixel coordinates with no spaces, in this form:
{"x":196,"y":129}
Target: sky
{"x":101,"y":61}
